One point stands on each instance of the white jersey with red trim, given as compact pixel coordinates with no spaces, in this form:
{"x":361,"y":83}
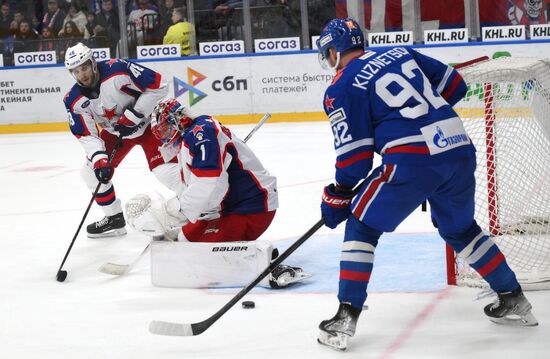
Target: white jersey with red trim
{"x":122,"y":84}
{"x":221,"y":174}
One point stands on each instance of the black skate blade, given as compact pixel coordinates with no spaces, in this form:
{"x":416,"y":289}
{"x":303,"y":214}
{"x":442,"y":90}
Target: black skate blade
{"x":337,"y":341}
{"x":527,"y":320}
{"x":112,"y":233}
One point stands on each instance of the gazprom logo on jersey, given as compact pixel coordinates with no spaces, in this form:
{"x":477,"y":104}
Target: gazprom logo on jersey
{"x":158,"y":51}
{"x":441,"y":141}
{"x":35,"y":58}
{"x":277,"y":44}
{"x":445,"y":135}
{"x":101,"y":54}
{"x":221,"y":47}
{"x":193,"y":79}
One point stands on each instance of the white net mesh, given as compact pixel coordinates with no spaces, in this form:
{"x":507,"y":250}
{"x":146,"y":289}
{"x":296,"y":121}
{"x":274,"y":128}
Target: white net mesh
{"x":506,"y":113}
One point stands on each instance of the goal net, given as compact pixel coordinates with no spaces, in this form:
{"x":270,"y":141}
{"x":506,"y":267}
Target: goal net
{"x":506,"y":113}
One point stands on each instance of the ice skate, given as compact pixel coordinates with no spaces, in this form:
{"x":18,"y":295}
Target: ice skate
{"x":283,"y":276}
{"x":336,"y":331}
{"x":110,"y":226}
{"x":511,"y":308}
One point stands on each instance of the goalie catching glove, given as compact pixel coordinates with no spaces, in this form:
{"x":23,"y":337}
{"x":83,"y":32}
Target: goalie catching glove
{"x":335,"y":207}
{"x":154,"y":217}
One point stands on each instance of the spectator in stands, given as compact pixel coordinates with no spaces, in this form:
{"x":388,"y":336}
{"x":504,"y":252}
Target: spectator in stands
{"x":136,"y":18}
{"x":17,"y":18}
{"x":54,"y":17}
{"x":134,"y":5}
{"x":71,"y":36}
{"x":47,"y":42}
{"x":5,"y":20}
{"x":75,"y":15}
{"x":166,"y":13}
{"x":97,"y":33}
{"x":182,"y":32}
{"x":231,"y":15}
{"x":108,"y":19}
{"x":96,"y":6}
{"x":24,"y":39}
{"x":143,"y":9}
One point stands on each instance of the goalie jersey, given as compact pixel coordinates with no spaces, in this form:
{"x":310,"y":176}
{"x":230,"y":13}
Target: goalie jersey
{"x":398,"y":103}
{"x":221,"y":175}
{"x":121,"y":84}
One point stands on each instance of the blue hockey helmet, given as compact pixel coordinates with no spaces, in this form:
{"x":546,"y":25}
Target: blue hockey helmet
{"x":342,"y":35}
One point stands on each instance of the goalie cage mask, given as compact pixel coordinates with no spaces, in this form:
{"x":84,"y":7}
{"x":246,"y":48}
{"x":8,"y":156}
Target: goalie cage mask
{"x":169,"y":120}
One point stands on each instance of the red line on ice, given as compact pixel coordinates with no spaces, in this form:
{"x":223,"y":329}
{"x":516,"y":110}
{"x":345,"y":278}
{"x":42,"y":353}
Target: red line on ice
{"x":414,"y":324}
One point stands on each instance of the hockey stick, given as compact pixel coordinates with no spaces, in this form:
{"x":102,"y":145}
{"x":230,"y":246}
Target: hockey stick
{"x":122,"y":269}
{"x":62,"y":274}
{"x":177,"y":329}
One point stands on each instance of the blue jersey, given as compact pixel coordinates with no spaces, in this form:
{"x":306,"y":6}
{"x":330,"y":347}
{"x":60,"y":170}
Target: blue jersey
{"x":398,"y":103}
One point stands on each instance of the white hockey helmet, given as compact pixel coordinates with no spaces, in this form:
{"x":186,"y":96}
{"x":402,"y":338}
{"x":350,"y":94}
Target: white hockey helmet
{"x":78,"y":55}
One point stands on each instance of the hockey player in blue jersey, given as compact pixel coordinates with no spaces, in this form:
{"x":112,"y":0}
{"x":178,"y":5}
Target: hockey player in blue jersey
{"x":111,"y":99}
{"x":398,"y":103}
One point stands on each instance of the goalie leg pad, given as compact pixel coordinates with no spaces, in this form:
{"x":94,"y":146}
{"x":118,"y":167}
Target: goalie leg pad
{"x":210,"y":265}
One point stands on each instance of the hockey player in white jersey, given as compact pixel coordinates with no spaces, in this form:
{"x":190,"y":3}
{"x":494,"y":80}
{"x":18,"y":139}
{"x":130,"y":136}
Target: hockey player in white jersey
{"x":398,"y":103}
{"x":113,"y":99}
{"x":227,"y":194}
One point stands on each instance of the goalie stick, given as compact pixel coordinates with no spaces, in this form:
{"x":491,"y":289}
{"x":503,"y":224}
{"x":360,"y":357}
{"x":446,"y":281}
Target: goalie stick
{"x":122,"y":269}
{"x":183,"y":329}
{"x":62,"y":274}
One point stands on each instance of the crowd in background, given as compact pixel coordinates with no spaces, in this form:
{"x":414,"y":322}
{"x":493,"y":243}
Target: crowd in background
{"x":53,"y":25}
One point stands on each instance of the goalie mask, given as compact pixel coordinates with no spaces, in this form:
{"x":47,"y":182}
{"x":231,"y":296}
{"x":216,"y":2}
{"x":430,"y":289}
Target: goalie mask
{"x":342,"y":35}
{"x":169,"y":120}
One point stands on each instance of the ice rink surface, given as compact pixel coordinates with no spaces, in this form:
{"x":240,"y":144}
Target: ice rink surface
{"x":412,"y":313}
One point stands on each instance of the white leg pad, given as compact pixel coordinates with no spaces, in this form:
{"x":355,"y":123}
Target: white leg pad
{"x":214,"y":265}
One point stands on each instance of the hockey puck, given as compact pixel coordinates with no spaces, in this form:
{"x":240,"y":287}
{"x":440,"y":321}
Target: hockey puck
{"x":248,"y":304}
{"x":61,"y":276}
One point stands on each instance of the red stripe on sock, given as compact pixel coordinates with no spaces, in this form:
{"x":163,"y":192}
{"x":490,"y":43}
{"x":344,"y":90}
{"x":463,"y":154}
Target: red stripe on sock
{"x":105,"y":199}
{"x":493,"y":263}
{"x":357,"y":276}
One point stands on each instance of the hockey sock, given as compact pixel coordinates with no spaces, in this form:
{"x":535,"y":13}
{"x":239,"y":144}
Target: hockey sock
{"x":106,"y":197}
{"x":482,"y":254}
{"x":356,"y":261}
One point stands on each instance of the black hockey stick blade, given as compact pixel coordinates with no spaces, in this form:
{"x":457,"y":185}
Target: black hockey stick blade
{"x":186,"y":330}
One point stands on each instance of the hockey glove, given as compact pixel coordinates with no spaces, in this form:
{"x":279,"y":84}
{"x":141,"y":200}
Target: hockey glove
{"x":103,"y":170}
{"x":335,"y":207}
{"x":129,"y":123}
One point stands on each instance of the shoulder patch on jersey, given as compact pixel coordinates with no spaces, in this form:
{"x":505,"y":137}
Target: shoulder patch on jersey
{"x":337,"y":115}
{"x":85,"y":104}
